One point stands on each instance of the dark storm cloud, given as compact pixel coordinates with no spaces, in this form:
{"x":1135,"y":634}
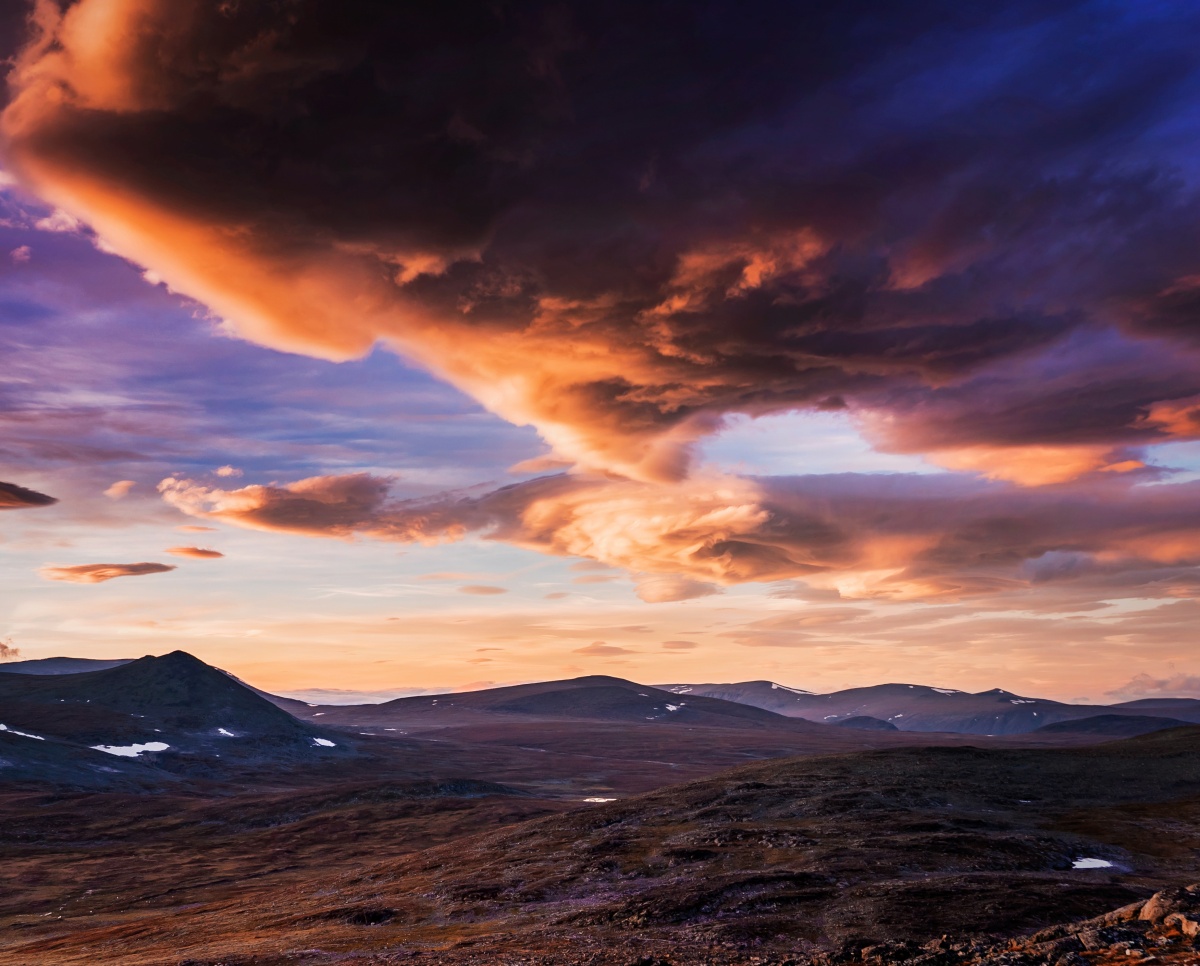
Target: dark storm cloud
{"x":619,"y":222}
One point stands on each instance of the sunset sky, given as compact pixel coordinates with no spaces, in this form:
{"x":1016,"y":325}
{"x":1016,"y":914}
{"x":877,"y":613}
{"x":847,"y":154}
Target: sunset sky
{"x":376,"y":346}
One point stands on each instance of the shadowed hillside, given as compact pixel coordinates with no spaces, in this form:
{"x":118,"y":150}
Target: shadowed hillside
{"x":174,"y":712}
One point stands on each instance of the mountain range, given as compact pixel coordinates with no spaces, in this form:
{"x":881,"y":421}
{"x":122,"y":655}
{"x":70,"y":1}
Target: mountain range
{"x":881,"y":708}
{"x":915,"y":707}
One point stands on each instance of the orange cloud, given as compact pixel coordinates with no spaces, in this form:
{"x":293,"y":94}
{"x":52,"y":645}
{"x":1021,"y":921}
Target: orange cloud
{"x":197,"y":553}
{"x":900,"y":538}
{"x":1178,"y":418}
{"x":662,"y":588}
{"x":120,"y":489}
{"x":98,"y":573}
{"x":482,"y":590}
{"x":1033,"y":465}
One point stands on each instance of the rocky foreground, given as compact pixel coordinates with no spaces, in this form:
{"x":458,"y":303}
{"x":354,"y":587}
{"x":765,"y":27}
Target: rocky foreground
{"x":1163,"y":929}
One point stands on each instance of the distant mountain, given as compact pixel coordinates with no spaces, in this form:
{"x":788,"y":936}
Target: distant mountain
{"x":1117,"y":725}
{"x":62,"y":665}
{"x":864,"y":722}
{"x":592,"y":698}
{"x":1181,"y":706}
{"x":174,"y":712}
{"x":759,"y":694}
{"x":323,"y":696}
{"x":914,"y":707}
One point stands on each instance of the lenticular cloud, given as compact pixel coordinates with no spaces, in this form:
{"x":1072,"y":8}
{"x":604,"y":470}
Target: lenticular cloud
{"x":98,"y":573}
{"x":13,"y":497}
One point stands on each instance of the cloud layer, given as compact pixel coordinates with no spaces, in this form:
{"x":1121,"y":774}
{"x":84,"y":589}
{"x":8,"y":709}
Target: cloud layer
{"x":897,"y":537}
{"x":620,"y":223}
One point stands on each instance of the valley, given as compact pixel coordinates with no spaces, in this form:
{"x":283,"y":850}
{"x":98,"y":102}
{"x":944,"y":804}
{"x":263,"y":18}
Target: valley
{"x":587,"y":821}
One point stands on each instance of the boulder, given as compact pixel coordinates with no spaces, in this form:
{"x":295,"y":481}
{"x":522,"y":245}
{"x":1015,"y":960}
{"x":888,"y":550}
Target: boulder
{"x":1162,"y":904}
{"x":1186,"y":924}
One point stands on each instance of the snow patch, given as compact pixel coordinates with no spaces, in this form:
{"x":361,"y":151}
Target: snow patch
{"x":674,"y":707}
{"x":784,"y":687}
{"x":23,"y":734}
{"x":945,"y":691}
{"x":324,"y":743}
{"x":1086,"y":863}
{"x":599,"y":799}
{"x":1021,"y":701}
{"x":131,"y":751}
{"x":227,"y":734}
{"x":319,"y":713}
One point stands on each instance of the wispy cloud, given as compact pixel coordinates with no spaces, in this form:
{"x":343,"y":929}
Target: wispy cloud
{"x":1147,"y":686}
{"x":602,"y":649}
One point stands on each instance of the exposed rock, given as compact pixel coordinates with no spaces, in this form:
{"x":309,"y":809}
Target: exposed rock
{"x":1162,"y":904}
{"x":1186,"y":924}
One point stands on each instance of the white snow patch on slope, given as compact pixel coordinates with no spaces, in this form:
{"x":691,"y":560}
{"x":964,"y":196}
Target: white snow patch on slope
{"x":131,"y":751}
{"x":784,"y":687}
{"x":23,"y":734}
{"x":227,"y":734}
{"x":1086,"y":863}
{"x":324,"y":743}
{"x":945,"y":691}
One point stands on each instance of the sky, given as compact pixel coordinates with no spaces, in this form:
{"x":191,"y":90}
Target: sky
{"x":353,"y":345}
